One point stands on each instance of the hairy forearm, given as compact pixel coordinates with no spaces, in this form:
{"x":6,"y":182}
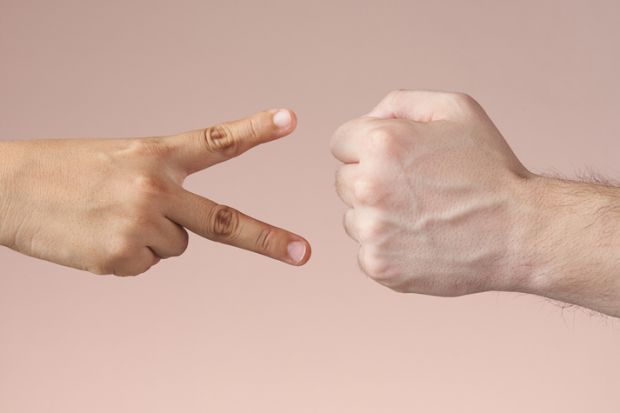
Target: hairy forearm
{"x":574,"y":243}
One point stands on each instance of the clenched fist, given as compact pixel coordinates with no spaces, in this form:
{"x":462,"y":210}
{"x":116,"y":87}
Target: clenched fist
{"x":434,"y":193}
{"x":117,"y":206}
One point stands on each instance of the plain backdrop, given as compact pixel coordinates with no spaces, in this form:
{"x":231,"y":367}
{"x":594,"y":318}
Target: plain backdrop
{"x":223,"y":330}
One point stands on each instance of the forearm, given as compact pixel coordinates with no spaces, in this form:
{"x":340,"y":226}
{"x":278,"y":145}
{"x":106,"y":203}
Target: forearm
{"x":7,"y":168}
{"x":11,"y":157}
{"x":573,"y":242}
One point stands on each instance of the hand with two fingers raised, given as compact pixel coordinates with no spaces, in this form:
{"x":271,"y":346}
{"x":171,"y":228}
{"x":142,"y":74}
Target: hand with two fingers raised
{"x":118,"y":206}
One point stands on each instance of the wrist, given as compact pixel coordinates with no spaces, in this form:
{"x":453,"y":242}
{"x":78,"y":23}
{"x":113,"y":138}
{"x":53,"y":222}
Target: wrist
{"x":571,"y":242}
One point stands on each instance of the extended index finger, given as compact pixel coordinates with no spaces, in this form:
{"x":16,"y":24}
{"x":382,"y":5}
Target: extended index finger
{"x":199,"y":149}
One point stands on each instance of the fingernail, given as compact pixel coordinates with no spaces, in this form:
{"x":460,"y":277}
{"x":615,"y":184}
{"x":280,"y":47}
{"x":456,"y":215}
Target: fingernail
{"x":296,"y":251}
{"x":282,"y":119}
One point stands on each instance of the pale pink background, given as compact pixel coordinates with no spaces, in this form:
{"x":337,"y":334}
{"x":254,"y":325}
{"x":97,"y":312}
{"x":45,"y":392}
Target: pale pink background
{"x":222,"y":330}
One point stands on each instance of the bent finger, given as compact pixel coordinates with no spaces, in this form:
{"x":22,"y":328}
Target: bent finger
{"x":422,"y":105}
{"x":346,"y":177}
{"x":348,"y":140}
{"x":169,"y":239}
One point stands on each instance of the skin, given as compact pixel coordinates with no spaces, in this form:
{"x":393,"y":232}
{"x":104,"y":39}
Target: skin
{"x":440,"y":205}
{"x":118,"y":206}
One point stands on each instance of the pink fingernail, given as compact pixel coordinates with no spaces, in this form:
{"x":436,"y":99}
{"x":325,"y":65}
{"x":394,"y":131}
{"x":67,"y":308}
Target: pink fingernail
{"x":282,"y":119}
{"x":296,"y":251}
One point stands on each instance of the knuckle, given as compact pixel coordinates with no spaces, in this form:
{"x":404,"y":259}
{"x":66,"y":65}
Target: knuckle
{"x":462,"y":97}
{"x":223,"y":223}
{"x":363,"y":191}
{"x":370,"y":230}
{"x":463,"y":100}
{"x":219,"y":139}
{"x":254,"y":128}
{"x":138,"y":223}
{"x":350,"y":126}
{"x":148,"y":184}
{"x":375,"y":266}
{"x":119,"y":250}
{"x":340,"y":133}
{"x":265,"y":239}
{"x":383,"y":142}
{"x":150,"y":147}
{"x":367,"y":191}
{"x":349,"y":223}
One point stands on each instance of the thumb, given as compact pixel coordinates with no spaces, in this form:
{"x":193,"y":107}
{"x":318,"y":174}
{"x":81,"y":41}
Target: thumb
{"x":422,"y":105}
